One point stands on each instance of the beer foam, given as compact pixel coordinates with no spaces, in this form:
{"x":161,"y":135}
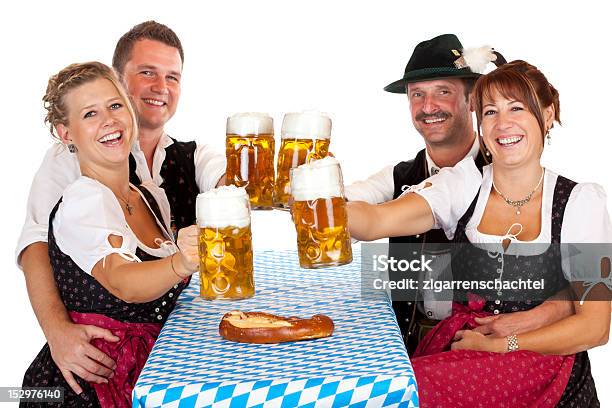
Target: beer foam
{"x":306,"y":124}
{"x":250,"y":123}
{"x":222,"y":207}
{"x":317,"y":179}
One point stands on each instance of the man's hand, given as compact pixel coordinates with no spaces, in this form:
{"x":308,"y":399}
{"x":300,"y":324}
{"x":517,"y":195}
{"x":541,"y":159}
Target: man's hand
{"x":501,"y":325}
{"x":221,"y":181}
{"x":69,"y":342}
{"x":543,"y":315}
{"x":72,"y":352}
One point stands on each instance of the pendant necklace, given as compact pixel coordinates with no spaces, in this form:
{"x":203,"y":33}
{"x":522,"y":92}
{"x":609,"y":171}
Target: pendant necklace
{"x":129,"y":207}
{"x":519,"y":203}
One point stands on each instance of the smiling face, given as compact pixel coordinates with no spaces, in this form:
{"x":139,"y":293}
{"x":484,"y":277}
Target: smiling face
{"x":99,"y":124}
{"x":152,"y":77}
{"x":440,"y":111}
{"x":510,"y":131}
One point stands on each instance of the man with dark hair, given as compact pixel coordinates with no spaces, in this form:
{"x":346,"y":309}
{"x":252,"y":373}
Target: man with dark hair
{"x":149,"y":30}
{"x":438,"y":82}
{"x":149,"y":61}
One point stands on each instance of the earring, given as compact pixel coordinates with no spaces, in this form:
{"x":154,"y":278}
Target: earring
{"x":548,"y":138}
{"x":487,"y":152}
{"x":72,"y":148}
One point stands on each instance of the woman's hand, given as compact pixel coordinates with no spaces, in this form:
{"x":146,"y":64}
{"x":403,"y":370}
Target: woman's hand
{"x":188,"y":242}
{"x":472,"y":340}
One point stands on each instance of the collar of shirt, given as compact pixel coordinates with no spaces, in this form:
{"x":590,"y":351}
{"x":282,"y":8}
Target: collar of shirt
{"x":142,"y":170}
{"x":433,"y":168}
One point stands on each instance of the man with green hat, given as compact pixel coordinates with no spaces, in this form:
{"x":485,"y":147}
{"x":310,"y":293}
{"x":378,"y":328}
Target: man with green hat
{"x":438,"y":80}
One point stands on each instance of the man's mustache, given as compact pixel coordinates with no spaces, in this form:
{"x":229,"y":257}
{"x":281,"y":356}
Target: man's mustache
{"x":438,"y":115}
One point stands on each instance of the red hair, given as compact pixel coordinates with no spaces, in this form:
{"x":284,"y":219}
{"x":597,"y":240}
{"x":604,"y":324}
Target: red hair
{"x":520,"y":81}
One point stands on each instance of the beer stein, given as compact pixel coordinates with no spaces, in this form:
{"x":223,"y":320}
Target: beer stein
{"x":249,"y":149}
{"x":319,"y":214}
{"x":304,"y":136}
{"x":225,"y":249}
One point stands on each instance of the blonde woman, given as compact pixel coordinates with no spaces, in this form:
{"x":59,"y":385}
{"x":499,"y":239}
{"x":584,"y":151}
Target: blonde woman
{"x":113,"y":256}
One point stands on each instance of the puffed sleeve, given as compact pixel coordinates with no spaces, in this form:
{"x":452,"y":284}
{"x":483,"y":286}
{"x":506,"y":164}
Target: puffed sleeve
{"x":586,"y":233}
{"x":88,"y":214}
{"x":449,"y":193}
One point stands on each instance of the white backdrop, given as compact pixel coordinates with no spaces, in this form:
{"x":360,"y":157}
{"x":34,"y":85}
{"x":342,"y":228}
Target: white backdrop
{"x":280,"y":56}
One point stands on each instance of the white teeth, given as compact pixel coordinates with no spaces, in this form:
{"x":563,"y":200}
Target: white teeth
{"x":112,"y":136}
{"x":509,"y":140}
{"x":428,"y":121}
{"x":154,"y":102}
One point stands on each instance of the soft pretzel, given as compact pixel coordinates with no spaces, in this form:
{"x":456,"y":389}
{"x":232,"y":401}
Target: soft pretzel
{"x":260,"y":327}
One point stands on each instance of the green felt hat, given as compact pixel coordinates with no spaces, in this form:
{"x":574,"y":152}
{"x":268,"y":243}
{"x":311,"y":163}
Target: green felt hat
{"x":440,"y":57}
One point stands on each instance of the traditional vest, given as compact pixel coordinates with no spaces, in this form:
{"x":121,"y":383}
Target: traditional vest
{"x":179,"y":182}
{"x":412,"y":172}
{"x":406,"y":174}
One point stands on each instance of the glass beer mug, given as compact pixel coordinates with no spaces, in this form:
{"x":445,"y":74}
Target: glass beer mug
{"x":249,"y":149}
{"x":319,"y":214}
{"x":304,"y":135}
{"x":226,"y":253}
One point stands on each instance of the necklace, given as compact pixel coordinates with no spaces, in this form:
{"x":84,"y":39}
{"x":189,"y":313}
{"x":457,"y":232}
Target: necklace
{"x":128,"y":206}
{"x":519,"y":203}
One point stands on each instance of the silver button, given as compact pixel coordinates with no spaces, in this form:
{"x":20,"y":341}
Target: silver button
{"x":157,"y":310}
{"x":159,"y":317}
{"x":499,"y":293}
{"x":429,"y":313}
{"x":175,"y":286}
{"x":496,"y":312}
{"x":499,"y":259}
{"x":170,"y":294}
{"x":497,"y":301}
{"x":417,"y":235}
{"x":500,"y":270}
{"x":164,"y":303}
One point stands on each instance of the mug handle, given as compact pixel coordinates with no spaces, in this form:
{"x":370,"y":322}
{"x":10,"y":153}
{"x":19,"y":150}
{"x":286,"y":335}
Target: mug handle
{"x":314,"y":156}
{"x":311,"y":156}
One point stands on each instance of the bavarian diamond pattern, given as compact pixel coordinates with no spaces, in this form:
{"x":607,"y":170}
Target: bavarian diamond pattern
{"x":364,"y":363}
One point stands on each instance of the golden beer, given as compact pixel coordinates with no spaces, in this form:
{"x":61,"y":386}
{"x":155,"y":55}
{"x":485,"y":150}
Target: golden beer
{"x":322,"y":233}
{"x":225,"y":246}
{"x":226,"y":263}
{"x":304,"y":137}
{"x":319,"y":214}
{"x":293,"y":153}
{"x":249,"y":150}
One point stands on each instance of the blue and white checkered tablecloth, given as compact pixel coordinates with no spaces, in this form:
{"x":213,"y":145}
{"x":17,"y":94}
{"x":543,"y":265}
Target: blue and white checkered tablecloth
{"x":364,"y":363}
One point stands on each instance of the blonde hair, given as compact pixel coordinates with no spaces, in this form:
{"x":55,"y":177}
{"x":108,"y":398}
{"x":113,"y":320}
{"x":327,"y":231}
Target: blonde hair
{"x":71,"y":77}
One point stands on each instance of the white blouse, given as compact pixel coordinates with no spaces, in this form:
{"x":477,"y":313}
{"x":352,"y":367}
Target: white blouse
{"x":89,"y":213}
{"x":379,"y":187}
{"x":60,"y":168}
{"x":450,"y":192}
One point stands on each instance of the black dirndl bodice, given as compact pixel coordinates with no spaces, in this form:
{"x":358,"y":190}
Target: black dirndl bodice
{"x":470,"y":262}
{"x":81,"y":292}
